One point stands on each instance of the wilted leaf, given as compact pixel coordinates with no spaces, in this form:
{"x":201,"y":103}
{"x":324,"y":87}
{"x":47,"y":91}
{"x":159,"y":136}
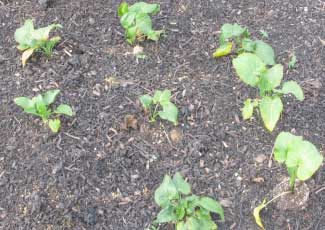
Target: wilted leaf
{"x":26,"y":55}
{"x":248,"y":109}
{"x":54,"y":125}
{"x":130,"y":121}
{"x":256,"y":214}
{"x":223,"y":50}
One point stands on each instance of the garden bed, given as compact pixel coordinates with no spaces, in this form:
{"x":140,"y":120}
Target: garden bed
{"x":96,"y":175}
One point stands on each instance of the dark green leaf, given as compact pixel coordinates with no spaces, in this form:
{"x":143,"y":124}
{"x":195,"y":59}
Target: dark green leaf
{"x":181,"y":185}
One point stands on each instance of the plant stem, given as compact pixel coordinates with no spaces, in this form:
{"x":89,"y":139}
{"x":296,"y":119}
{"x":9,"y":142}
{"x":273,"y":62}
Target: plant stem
{"x":276,"y":197}
{"x":154,"y":114}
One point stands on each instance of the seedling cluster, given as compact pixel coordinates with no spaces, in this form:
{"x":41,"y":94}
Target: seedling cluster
{"x":255,"y":64}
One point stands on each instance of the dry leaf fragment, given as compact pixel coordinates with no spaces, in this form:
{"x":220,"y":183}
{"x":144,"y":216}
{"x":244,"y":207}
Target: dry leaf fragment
{"x":130,"y":121}
{"x":256,"y":214}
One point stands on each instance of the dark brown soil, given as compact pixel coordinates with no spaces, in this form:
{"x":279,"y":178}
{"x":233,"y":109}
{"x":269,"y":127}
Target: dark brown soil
{"x":95,"y":175}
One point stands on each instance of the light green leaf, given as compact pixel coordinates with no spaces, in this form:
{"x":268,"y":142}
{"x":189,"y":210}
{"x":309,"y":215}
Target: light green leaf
{"x":166,"y":192}
{"x":264,"y":33}
{"x":292,"y":62}
{"x":40,"y":105}
{"x":42,"y":34}
{"x":131,"y":34}
{"x":181,"y":185}
{"x":270,"y":108}
{"x":223,"y":50}
{"x":64,"y":109}
{"x":24,"y":102}
{"x":212,"y":206}
{"x":256,"y":214}
{"x":271,"y":78}
{"x":231,"y":30}
{"x":155,"y":34}
{"x":54,"y":125}
{"x":193,"y":223}
{"x":23,"y":35}
{"x":144,"y":23}
{"x":162,"y":96}
{"x":181,"y":226}
{"x":128,"y":20}
{"x":248,"y":45}
{"x":282,"y":144}
{"x":167,"y":214}
{"x":143,"y":7}
{"x":123,"y":9}
{"x":248,"y":67}
{"x":305,"y":156}
{"x":293,"y":88}
{"x":169,"y":112}
{"x":50,"y":95}
{"x":265,"y":52}
{"x":146,"y":101}
{"x":248,"y":109}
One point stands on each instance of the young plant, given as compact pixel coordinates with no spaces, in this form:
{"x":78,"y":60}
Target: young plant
{"x":136,"y":21}
{"x":302,"y":160}
{"x":300,"y":156}
{"x":31,"y":40}
{"x":293,"y":61}
{"x":161,"y":99}
{"x":39,"y":106}
{"x":186,"y":211}
{"x":255,"y":65}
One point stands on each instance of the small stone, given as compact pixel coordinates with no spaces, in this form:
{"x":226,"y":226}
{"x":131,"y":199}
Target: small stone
{"x":91,"y":21}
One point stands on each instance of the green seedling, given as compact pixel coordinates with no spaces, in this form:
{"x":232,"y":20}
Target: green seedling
{"x":255,"y":65}
{"x":185,"y":210}
{"x":300,"y":156}
{"x":136,"y":21}
{"x":39,"y":106}
{"x":31,"y":40}
{"x":293,"y":61}
{"x":302,"y":160}
{"x":161,"y":99}
{"x":264,"y":34}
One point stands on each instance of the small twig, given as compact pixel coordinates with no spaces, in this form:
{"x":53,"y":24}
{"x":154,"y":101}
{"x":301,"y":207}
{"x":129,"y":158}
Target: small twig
{"x":74,"y":137}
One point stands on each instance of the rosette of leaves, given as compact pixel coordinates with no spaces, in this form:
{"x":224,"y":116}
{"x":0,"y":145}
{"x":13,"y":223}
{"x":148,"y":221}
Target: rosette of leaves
{"x":136,"y":21}
{"x":31,"y":40}
{"x":253,"y":71}
{"x":39,"y":106}
{"x":160,"y":100}
{"x":300,"y":156}
{"x":185,"y":210}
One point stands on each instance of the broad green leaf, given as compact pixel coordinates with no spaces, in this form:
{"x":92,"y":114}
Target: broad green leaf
{"x":256,"y":214}
{"x":142,"y":7}
{"x":181,"y":226}
{"x":293,"y":88}
{"x":248,"y":67}
{"x":54,"y":125}
{"x":270,"y":109}
{"x":180,"y":212}
{"x":282,"y":144}
{"x":206,"y":222}
{"x":305,"y":156}
{"x":43,"y":33}
{"x":271,"y":78}
{"x":223,"y":50}
{"x":146,"y":101}
{"x":265,"y":52}
{"x":231,"y":30}
{"x":166,"y":192}
{"x":50,"y":95}
{"x":212,"y":206}
{"x":26,"y":55}
{"x":248,"y":109}
{"x":167,"y":214}
{"x":24,"y":102}
{"x":193,"y":223}
{"x":123,"y":9}
{"x":181,"y":185}
{"x":128,"y":20}
{"x":23,"y":35}
{"x":248,"y":45}
{"x":169,"y":112}
{"x":144,"y":23}
{"x":162,"y":96}
{"x":64,"y":109}
{"x":131,"y":34}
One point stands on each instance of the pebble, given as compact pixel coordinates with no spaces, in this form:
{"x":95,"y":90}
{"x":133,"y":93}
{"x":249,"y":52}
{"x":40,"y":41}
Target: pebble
{"x":91,"y":21}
